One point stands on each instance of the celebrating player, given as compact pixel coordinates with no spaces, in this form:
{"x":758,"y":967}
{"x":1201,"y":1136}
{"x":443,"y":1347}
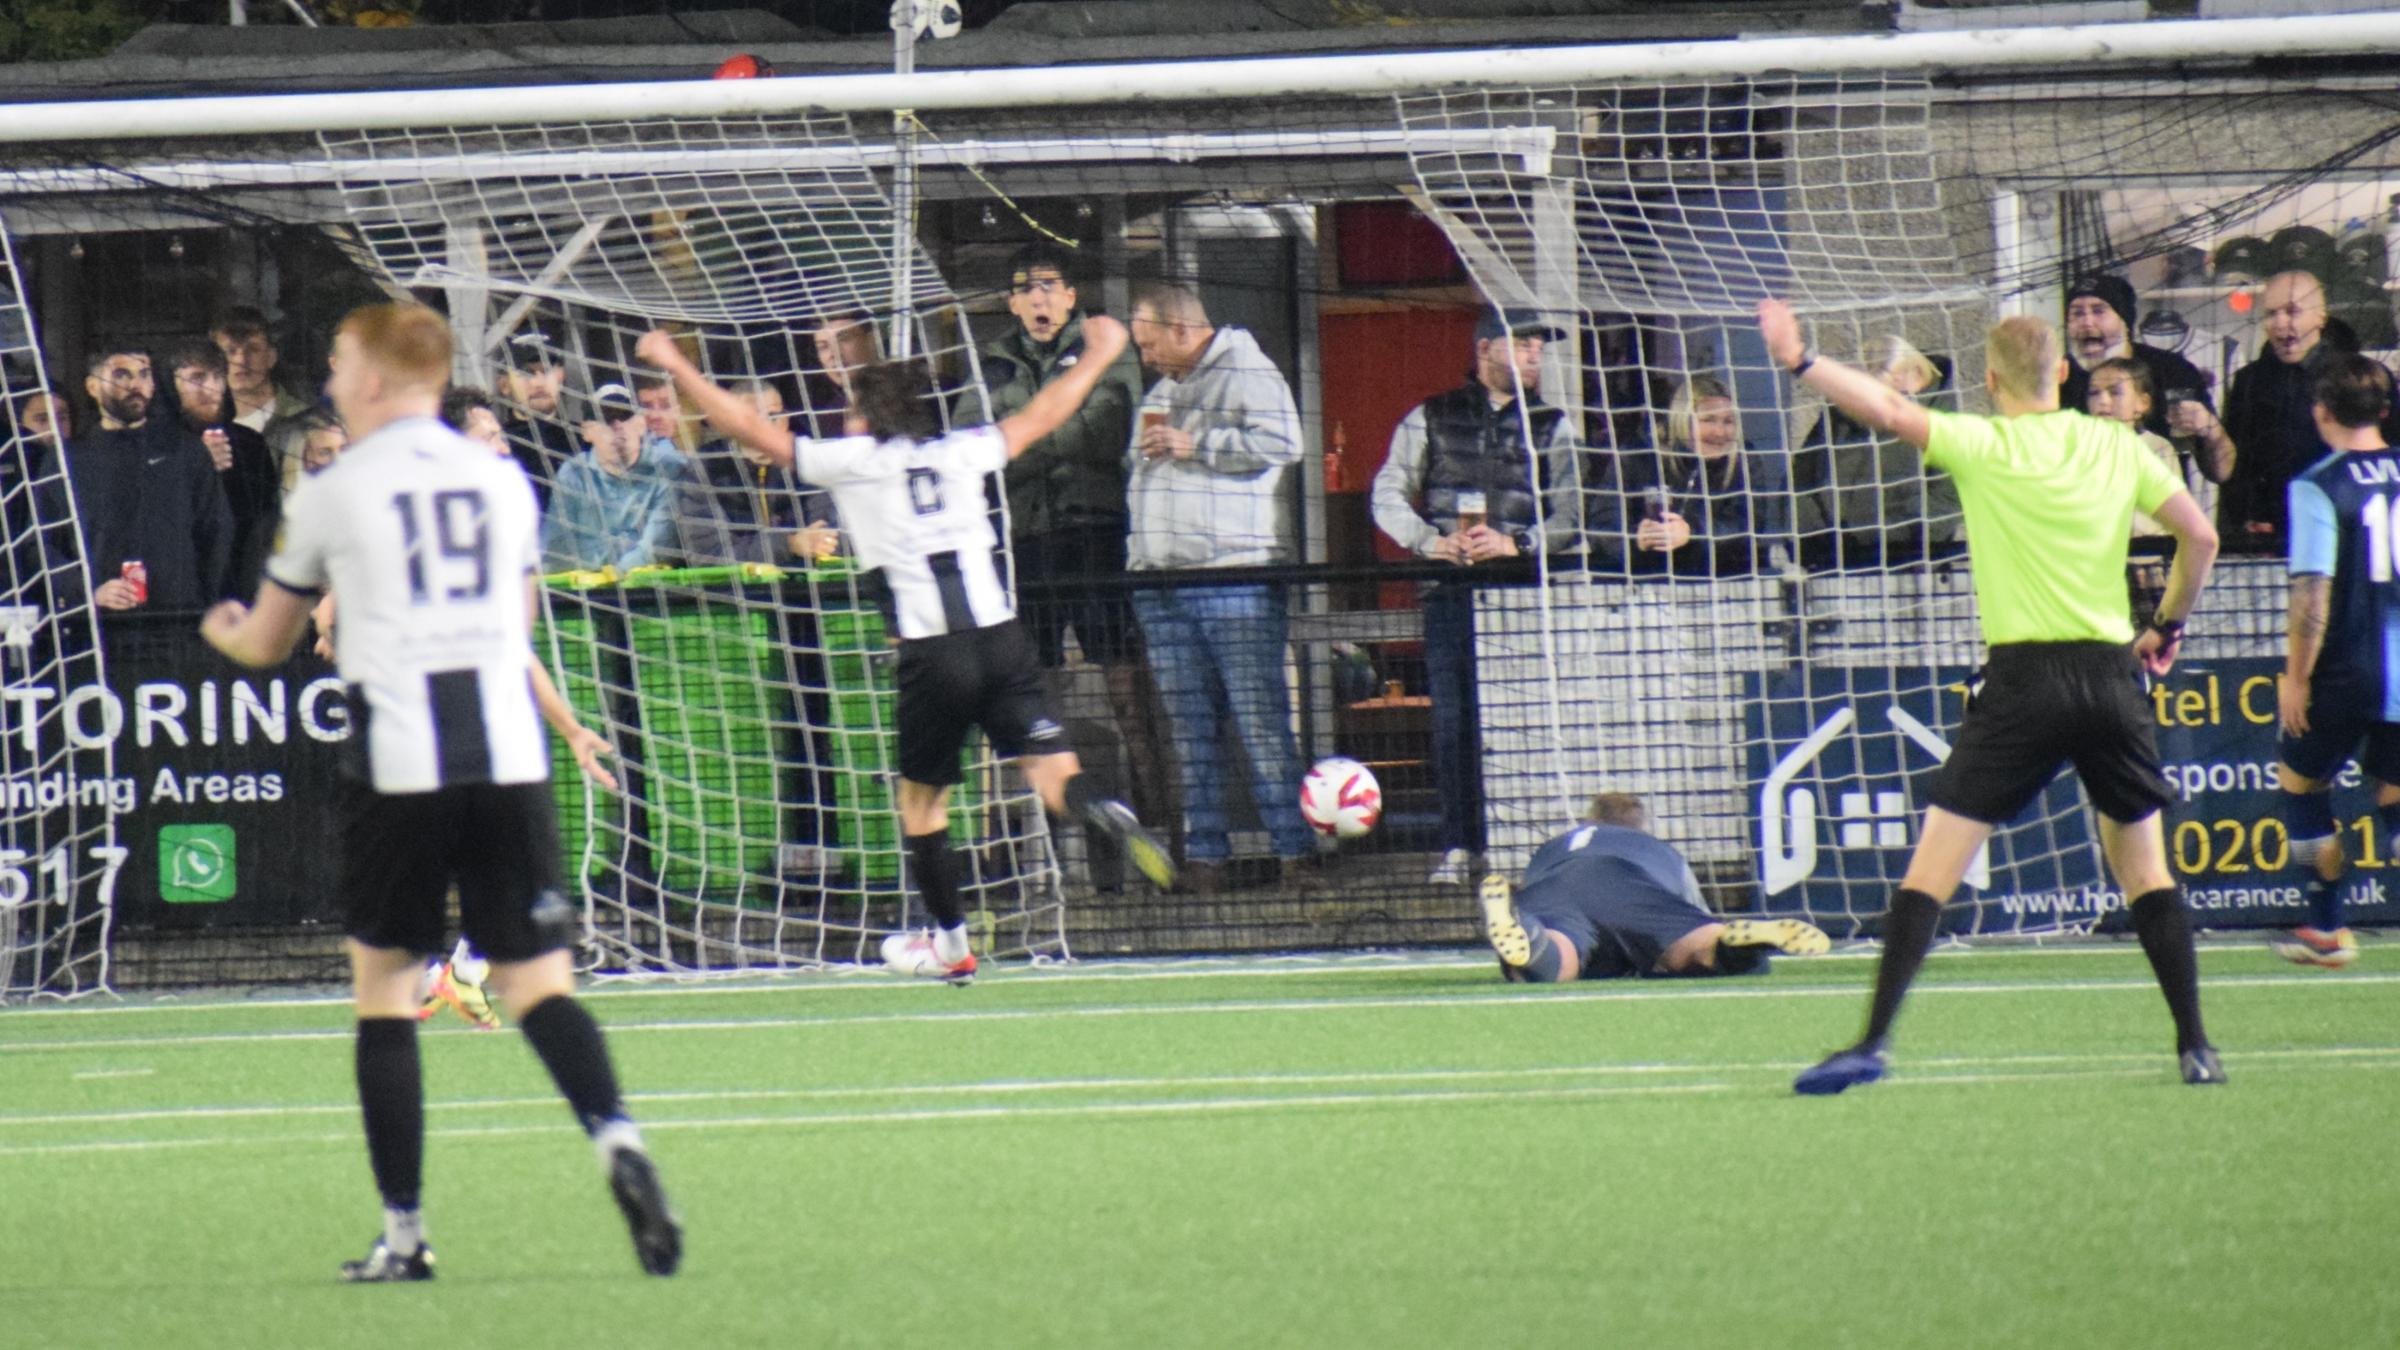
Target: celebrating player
{"x":2339,"y":684}
{"x":432,"y":542}
{"x":1607,"y":899}
{"x":2049,"y":498}
{"x":913,"y":499}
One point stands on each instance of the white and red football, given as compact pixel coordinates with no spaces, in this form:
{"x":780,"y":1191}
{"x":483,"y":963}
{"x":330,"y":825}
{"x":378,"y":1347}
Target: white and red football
{"x":1340,"y":797}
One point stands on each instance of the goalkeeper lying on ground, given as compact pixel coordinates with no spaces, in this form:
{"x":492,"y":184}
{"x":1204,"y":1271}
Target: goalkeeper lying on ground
{"x":1606,"y":900}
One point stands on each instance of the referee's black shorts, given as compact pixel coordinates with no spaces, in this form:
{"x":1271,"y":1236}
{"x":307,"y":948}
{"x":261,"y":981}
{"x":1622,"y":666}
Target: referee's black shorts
{"x":984,"y":677}
{"x":401,"y":852}
{"x":2050,"y":703}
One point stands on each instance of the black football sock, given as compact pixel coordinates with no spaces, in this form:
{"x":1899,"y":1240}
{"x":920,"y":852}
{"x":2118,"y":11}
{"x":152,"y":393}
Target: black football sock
{"x":391,"y":1098}
{"x":572,"y":1049}
{"x":1740,"y":960}
{"x":1078,"y":798}
{"x":929,"y":862}
{"x":2165,"y":928}
{"x":1909,"y":927}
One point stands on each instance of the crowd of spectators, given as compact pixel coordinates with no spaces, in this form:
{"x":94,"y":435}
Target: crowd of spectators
{"x":1145,"y":531}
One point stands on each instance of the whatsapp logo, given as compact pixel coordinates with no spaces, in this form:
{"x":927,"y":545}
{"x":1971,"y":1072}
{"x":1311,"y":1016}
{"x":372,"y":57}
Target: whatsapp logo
{"x":195,"y":864}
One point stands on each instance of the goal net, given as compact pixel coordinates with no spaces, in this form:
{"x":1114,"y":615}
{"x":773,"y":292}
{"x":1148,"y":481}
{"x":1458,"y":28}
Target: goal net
{"x":59,"y":851}
{"x":1783,"y":687}
{"x":742,"y":672}
{"x":1779,"y":679}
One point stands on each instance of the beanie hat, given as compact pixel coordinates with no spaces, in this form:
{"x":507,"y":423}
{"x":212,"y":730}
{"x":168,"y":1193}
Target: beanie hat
{"x":2115,"y":292}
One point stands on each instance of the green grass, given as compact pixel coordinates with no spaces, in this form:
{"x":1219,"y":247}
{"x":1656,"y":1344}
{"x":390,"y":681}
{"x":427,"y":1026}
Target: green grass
{"x":1384,"y":1155}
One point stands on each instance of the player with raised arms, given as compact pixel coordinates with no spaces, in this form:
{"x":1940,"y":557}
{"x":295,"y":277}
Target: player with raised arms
{"x":2341,"y":679}
{"x":2049,"y":497}
{"x":913,"y":500}
{"x":433,"y":543}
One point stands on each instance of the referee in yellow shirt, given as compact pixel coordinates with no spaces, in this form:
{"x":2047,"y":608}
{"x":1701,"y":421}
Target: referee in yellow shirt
{"x":2049,"y":498}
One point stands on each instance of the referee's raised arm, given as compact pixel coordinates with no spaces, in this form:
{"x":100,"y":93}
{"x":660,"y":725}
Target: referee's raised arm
{"x":1872,"y":402}
{"x":730,"y":412}
{"x":1103,"y":339}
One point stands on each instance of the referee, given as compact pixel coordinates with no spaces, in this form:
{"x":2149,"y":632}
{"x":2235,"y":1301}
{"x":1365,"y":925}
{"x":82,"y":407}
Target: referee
{"x":913,"y":500}
{"x":2049,"y":498}
{"x":433,"y":543}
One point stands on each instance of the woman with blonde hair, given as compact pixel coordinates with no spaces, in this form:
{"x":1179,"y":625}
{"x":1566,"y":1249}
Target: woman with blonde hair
{"x":1689,"y":503}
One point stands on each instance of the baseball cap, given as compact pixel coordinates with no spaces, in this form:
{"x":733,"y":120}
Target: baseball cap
{"x":615,"y":401}
{"x":1515,"y":323}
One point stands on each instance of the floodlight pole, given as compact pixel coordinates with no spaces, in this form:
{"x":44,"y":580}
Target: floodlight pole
{"x":904,"y":184}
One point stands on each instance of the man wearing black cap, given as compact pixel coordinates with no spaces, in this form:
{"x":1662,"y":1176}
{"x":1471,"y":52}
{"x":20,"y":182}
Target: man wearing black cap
{"x":2100,"y":315}
{"x":614,"y":505}
{"x":1483,"y":472}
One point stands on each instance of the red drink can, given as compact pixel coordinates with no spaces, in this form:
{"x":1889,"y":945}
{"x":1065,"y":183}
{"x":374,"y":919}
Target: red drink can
{"x":137,"y":576}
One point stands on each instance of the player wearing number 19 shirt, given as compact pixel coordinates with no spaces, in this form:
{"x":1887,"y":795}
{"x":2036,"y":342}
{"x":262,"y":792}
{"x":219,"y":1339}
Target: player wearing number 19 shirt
{"x":2341,"y":677}
{"x":2049,"y":497}
{"x":433,"y":543}
{"x":913,"y":501}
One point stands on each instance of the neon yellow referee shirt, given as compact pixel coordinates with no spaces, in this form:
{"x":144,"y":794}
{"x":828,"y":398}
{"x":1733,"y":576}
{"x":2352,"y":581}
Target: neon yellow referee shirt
{"x":2049,"y":501}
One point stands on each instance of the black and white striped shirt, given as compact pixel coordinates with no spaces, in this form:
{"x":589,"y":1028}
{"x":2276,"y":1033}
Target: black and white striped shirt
{"x":426,"y":538}
{"x":915,"y":510}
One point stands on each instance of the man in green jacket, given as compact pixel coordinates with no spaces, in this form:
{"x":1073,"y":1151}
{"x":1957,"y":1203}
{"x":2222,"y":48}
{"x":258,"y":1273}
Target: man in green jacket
{"x":1067,"y":518}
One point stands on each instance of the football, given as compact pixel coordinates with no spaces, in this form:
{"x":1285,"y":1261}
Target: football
{"x":1340,"y":797}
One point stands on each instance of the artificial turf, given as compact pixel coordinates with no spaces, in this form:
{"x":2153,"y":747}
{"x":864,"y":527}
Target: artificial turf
{"x":1352,"y":1153}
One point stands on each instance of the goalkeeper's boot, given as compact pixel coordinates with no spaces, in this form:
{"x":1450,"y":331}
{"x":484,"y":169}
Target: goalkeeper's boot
{"x":383,"y":1266}
{"x":2200,"y":1067}
{"x":474,"y":1001}
{"x":466,"y":999}
{"x":2316,"y":947}
{"x":657,"y":1237}
{"x":1855,"y":1067}
{"x":1501,"y":927}
{"x":1792,"y":937}
{"x":914,"y":954}
{"x":1117,"y":821}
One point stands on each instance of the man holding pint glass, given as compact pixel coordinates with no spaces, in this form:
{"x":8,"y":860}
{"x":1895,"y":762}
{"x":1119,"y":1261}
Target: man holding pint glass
{"x":1483,"y":472}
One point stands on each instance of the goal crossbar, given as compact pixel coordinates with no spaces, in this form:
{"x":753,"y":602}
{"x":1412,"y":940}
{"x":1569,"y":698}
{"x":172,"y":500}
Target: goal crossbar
{"x":2121,"y":44}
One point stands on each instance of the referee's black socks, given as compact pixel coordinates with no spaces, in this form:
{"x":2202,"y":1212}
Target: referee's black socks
{"x":937,"y":878}
{"x":391,"y":1099}
{"x":2165,"y":927}
{"x":1908,"y":932}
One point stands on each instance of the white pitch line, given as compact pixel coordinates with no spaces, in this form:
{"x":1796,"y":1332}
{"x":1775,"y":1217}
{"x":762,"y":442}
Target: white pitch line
{"x":1415,"y":1002}
{"x":1096,"y":970}
{"x":1929,"y":1069}
{"x":1199,"y":1106}
{"x":89,"y":1074}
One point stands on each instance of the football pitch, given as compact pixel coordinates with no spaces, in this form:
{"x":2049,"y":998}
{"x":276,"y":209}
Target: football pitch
{"x":1371,"y":1152}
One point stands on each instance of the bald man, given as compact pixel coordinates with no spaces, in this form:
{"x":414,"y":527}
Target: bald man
{"x":2269,"y":413}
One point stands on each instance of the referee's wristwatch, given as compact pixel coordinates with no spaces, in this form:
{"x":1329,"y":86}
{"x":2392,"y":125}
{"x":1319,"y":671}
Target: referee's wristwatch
{"x":2168,"y":630}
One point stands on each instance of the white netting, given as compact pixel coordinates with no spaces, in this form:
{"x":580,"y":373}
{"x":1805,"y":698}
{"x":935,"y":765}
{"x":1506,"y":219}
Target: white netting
{"x":59,"y":853}
{"x":1775,"y":721}
{"x":748,"y":687}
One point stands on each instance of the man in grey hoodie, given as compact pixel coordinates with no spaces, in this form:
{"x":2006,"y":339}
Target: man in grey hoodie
{"x":1210,"y":447}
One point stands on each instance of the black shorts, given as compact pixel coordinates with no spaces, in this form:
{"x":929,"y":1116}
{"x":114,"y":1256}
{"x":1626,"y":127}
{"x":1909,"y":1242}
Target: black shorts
{"x":984,"y":677}
{"x":2045,"y":704}
{"x":1616,"y":931}
{"x":1056,"y":592}
{"x":2337,"y":721}
{"x":402,"y":851}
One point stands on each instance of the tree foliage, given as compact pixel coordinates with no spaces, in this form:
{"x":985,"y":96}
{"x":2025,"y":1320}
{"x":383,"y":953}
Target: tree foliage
{"x":70,"y":30}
